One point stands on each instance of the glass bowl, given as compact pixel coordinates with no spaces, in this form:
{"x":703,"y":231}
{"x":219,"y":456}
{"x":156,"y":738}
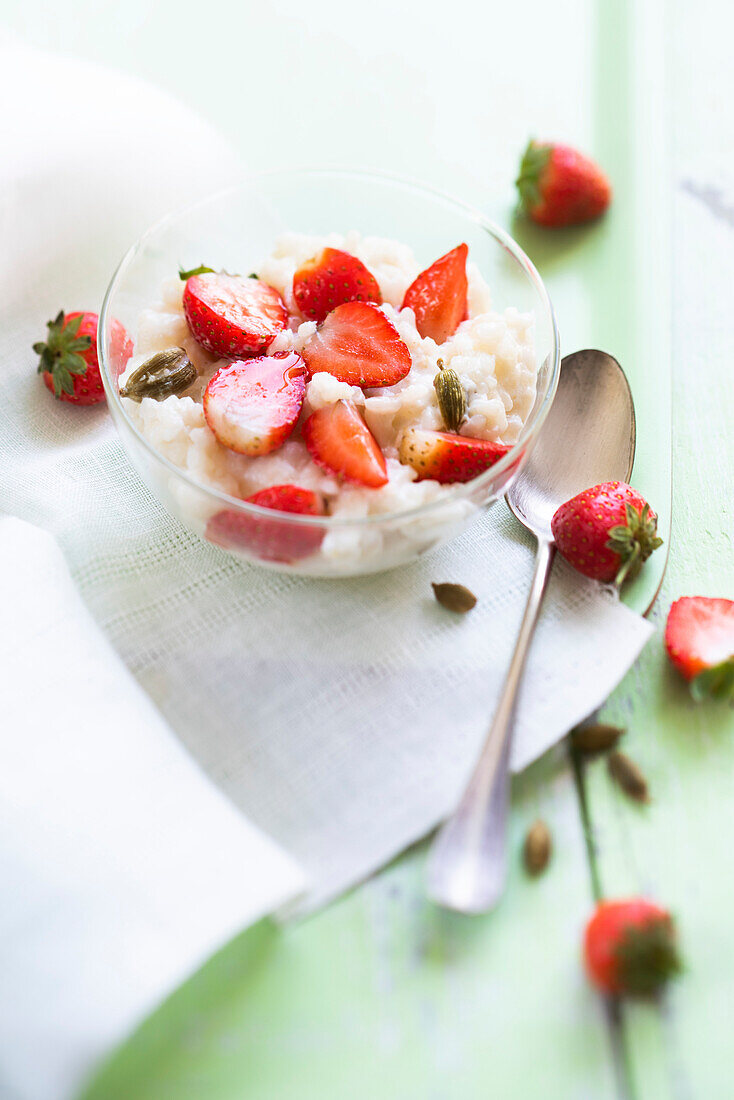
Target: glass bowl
{"x":235,"y":229}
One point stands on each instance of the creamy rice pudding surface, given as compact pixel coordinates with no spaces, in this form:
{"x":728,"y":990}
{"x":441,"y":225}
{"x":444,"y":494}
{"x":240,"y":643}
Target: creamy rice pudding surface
{"x":492,"y":353}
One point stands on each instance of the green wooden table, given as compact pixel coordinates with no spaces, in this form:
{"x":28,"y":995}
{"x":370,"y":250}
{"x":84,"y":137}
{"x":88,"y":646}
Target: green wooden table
{"x":382,"y":995}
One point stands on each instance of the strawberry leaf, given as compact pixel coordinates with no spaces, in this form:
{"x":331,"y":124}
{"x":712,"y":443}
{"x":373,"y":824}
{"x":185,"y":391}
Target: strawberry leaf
{"x":534,"y":160}
{"x":716,"y":682}
{"x":647,"y":957}
{"x":633,"y":541}
{"x":202,"y":269}
{"x":80,"y":344}
{"x":73,"y":363}
{"x":60,"y":355}
{"x":71,"y":328}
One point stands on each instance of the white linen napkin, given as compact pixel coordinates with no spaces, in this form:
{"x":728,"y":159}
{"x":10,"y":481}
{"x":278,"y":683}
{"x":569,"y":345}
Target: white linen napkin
{"x":341,"y":717}
{"x":122,"y":866}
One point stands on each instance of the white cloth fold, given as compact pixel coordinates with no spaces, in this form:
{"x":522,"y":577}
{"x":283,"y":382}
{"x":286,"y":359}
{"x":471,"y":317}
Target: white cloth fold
{"x":122,"y":866}
{"x":341,"y":717}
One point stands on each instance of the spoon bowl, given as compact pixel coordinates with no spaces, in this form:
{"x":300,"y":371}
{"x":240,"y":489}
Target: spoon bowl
{"x":588,"y":437}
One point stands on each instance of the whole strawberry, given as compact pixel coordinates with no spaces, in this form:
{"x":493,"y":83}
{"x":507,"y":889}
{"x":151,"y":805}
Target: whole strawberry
{"x":559,"y":186}
{"x":68,"y":357}
{"x":606,"y":532}
{"x":699,"y":639}
{"x":630,"y":947}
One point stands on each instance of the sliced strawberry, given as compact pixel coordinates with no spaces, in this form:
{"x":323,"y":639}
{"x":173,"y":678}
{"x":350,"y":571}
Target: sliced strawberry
{"x":699,"y":638}
{"x":231,"y":316}
{"x":252,"y":405}
{"x":438,"y":296}
{"x":358,"y":345}
{"x":271,"y":539}
{"x":445,"y":457}
{"x":339,"y":441}
{"x":330,"y":279}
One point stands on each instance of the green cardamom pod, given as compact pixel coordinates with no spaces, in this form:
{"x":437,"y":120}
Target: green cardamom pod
{"x":537,"y":848}
{"x":451,"y":397}
{"x":455,"y":597}
{"x":596,"y":738}
{"x":166,"y":372}
{"x":628,"y":776}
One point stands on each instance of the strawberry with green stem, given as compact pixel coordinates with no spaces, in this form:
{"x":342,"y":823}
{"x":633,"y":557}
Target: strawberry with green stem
{"x":68,"y":357}
{"x":699,"y":639}
{"x":606,"y":532}
{"x":630,"y":947}
{"x":559,"y":186}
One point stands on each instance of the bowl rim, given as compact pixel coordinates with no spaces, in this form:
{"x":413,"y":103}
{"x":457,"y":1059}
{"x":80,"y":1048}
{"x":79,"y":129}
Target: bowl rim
{"x":459,"y":491}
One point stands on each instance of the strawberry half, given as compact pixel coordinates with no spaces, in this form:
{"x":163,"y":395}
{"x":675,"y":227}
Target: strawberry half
{"x":339,"y":441}
{"x":699,"y":638}
{"x":68,"y":357}
{"x":438,"y":296}
{"x":559,"y":186}
{"x":606,"y":532}
{"x":331,"y":279}
{"x":252,"y":405}
{"x":271,"y":539}
{"x":358,"y":345}
{"x":231,"y":316}
{"x":448,"y":458}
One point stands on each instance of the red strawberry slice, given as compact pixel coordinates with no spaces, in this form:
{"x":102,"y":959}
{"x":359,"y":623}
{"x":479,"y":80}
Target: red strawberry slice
{"x":358,"y":345}
{"x":699,"y":638}
{"x":330,"y":279}
{"x":271,"y":539}
{"x":339,"y":441}
{"x":445,"y":457}
{"x":252,"y":405}
{"x":438,"y":296}
{"x":231,"y":316}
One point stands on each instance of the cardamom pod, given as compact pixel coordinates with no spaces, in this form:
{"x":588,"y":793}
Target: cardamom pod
{"x":628,"y":776}
{"x":537,"y":848}
{"x":166,"y":372}
{"x":455,"y":597}
{"x":451,"y":396}
{"x":596,"y":738}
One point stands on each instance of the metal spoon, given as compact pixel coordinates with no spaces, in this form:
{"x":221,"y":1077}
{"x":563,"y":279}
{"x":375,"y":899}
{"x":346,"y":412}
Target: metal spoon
{"x":588,"y":437}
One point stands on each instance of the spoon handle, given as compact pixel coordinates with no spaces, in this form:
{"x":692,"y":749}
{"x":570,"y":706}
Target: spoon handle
{"x":468,"y":862}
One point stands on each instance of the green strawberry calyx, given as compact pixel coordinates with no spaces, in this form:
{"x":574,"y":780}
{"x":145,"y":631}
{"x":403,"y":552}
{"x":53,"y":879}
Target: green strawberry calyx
{"x":716,"y":682}
{"x":202,"y":269}
{"x":533,"y":164}
{"x":60,"y":354}
{"x":646,"y":957}
{"x":634,"y":542}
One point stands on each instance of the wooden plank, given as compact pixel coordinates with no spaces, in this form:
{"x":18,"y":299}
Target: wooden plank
{"x":678,"y":849}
